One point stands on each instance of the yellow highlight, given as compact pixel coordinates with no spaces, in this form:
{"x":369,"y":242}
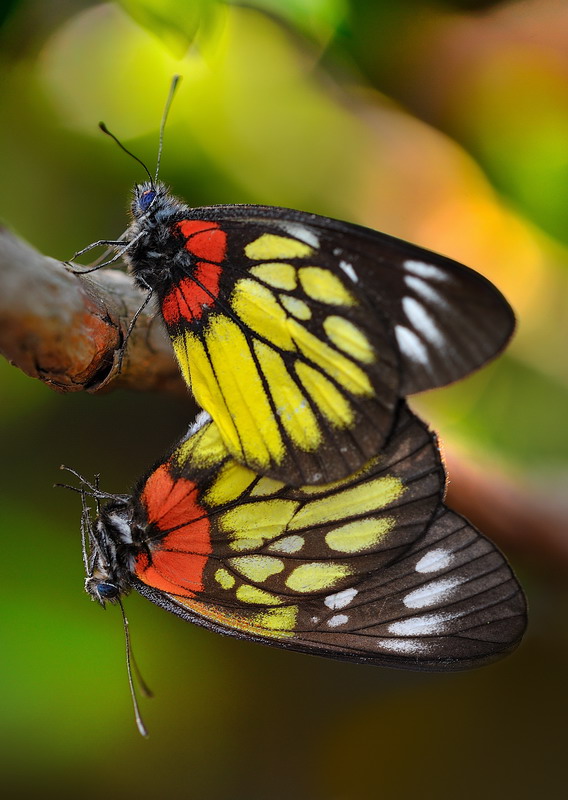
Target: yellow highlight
{"x":277,"y":622}
{"x":205,"y":448}
{"x":257,"y":568}
{"x":260,"y":310}
{"x":338,"y":367}
{"x":236,"y":379}
{"x":250,"y":594}
{"x":270,"y":246}
{"x":332,"y":404}
{"x":224,"y":579}
{"x":292,"y":408}
{"x":359,"y":535}
{"x":317,"y":576}
{"x":278,"y":275}
{"x":321,"y":284}
{"x":367,"y":497}
{"x":252,"y":524}
{"x":295,"y":306}
{"x":231,"y":481}
{"x":266,"y":486}
{"x":193,"y":360}
{"x":181,"y":345}
{"x":349,"y":338}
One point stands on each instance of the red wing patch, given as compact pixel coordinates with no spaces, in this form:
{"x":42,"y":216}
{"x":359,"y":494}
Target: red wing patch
{"x":190,"y":296}
{"x":204,"y":239}
{"x":179,"y":557}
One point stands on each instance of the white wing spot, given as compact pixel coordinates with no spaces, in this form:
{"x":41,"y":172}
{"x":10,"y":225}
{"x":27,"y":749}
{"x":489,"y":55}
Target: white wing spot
{"x":431,"y":593}
{"x":425,"y":291}
{"x":337,"y":619}
{"x":422,"y":626}
{"x":300,"y":232}
{"x":411,"y":345}
{"x":422,"y":321}
{"x":424,"y":270}
{"x":340,"y":599}
{"x":348,"y":270}
{"x":315,"y":620}
{"x":402,"y":645}
{"x":434,"y":561}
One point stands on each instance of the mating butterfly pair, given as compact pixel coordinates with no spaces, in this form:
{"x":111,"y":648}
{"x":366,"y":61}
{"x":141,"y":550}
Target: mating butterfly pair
{"x":308,"y":511}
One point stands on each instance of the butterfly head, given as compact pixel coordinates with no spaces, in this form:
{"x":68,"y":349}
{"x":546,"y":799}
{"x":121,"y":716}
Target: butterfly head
{"x":146,"y":198}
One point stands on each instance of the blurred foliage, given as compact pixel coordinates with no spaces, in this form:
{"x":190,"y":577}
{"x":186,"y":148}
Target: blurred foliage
{"x":441,"y":126}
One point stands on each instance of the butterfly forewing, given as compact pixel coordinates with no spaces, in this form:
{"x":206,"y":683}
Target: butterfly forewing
{"x":356,"y":569}
{"x":298,"y":333}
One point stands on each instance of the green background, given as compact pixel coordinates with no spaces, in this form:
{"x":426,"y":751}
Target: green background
{"x":445,"y":123}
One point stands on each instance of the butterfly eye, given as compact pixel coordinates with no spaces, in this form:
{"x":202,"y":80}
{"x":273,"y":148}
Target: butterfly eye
{"x":145,"y":200}
{"x":107,"y":591}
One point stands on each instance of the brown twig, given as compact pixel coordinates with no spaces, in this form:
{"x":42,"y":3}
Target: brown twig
{"x":68,"y":330}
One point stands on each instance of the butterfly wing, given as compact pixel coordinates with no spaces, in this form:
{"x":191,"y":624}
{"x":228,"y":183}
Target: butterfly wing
{"x":344,"y":570}
{"x":298,"y":333}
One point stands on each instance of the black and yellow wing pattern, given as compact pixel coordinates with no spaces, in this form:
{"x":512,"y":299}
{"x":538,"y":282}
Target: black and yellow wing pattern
{"x":298,"y":333}
{"x":370,"y":568}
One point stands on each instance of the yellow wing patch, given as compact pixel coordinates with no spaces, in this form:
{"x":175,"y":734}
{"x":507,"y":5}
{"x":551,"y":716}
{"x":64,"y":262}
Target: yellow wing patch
{"x":321,"y":284}
{"x":349,"y":338}
{"x":257,"y":568}
{"x":354,"y":537}
{"x":270,"y":246}
{"x":277,"y":274}
{"x":275,"y":623}
{"x":316,"y":576}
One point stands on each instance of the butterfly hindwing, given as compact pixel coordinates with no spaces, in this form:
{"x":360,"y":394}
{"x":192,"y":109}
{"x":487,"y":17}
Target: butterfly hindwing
{"x":372,"y":568}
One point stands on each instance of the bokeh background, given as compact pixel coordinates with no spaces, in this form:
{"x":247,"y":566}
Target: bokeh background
{"x":443,"y":122}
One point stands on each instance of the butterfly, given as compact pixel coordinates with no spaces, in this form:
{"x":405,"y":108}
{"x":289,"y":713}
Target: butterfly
{"x":298,"y":333}
{"x":372,"y":568}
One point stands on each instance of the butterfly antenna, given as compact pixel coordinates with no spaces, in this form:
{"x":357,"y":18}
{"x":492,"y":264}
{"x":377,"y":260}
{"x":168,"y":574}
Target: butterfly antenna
{"x":173,"y":86}
{"x":129,"y":662}
{"x":104,"y":129}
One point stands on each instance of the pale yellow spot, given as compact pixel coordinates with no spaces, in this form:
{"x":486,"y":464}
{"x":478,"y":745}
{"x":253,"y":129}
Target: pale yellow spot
{"x":250,"y":525}
{"x":295,"y":306}
{"x":337,"y":366}
{"x":204,"y":449}
{"x":359,"y":535}
{"x":362,"y":499}
{"x":316,"y":576}
{"x":277,"y":622}
{"x":237,"y":378}
{"x":292,"y":408}
{"x":231,"y":481}
{"x":289,"y":544}
{"x":266,"y":486}
{"x":332,"y":404}
{"x":257,"y":568}
{"x":260,"y":310}
{"x":270,"y":246}
{"x":349,"y":338}
{"x":224,"y":579}
{"x":321,"y":284}
{"x":281,"y":276}
{"x":251,"y":594}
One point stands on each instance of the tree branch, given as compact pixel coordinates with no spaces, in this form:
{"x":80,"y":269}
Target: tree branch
{"x":67,"y":331}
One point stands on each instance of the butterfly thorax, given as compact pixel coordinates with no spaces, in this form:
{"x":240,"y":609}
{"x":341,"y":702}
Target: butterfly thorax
{"x":116,"y":541}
